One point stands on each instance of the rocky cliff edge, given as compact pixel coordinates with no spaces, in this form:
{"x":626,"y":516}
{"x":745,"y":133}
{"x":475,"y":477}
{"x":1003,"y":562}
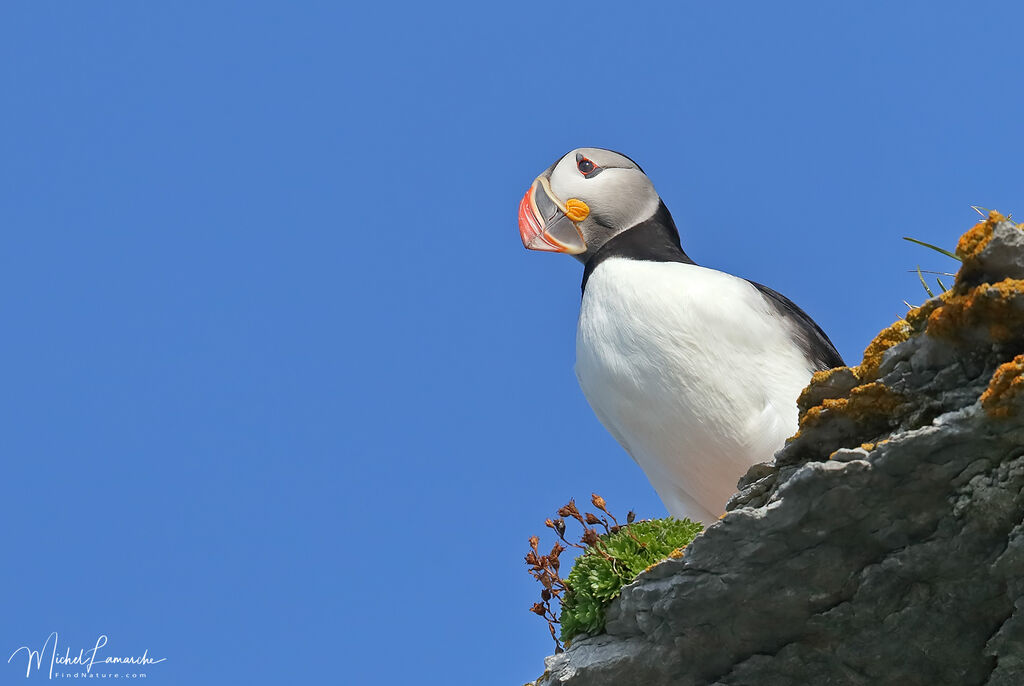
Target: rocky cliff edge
{"x":884,"y":544}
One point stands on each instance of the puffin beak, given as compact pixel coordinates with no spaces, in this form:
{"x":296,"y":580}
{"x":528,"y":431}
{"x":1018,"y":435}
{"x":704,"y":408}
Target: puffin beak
{"x":544,"y":223}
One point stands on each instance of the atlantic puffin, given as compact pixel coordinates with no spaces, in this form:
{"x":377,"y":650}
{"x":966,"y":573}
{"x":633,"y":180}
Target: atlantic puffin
{"x":695,"y":372}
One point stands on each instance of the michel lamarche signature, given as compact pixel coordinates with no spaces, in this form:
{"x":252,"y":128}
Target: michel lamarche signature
{"x":85,"y":658}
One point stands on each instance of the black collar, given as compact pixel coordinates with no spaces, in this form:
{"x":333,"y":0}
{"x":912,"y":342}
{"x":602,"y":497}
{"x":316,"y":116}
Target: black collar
{"x":652,"y":240}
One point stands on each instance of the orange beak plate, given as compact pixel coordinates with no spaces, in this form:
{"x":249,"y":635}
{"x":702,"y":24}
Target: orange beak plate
{"x":544,"y":225}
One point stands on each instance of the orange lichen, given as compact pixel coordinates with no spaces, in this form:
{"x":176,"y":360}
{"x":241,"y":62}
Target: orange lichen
{"x":825,"y":375}
{"x":976,"y":238}
{"x":1007,"y":383}
{"x":869,"y":400}
{"x":678,"y":552}
{"x":817,"y":379}
{"x":894,"y":334}
{"x":867,"y":446}
{"x":872,"y":399}
{"x":918,"y":316}
{"x":810,"y":417}
{"x":997,"y":309}
{"x":990,"y":305}
{"x":834,"y":403}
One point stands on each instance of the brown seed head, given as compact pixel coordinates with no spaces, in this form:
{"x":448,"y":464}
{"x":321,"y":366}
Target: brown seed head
{"x":569,"y":510}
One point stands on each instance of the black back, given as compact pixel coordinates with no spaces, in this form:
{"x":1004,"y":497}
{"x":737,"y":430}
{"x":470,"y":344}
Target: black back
{"x":813,"y":341}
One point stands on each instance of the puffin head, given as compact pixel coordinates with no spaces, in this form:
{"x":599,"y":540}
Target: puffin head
{"x":584,"y":199}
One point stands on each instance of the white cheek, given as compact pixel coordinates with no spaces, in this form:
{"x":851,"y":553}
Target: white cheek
{"x":621,"y":197}
{"x":567,"y":182}
{"x":625,"y":204}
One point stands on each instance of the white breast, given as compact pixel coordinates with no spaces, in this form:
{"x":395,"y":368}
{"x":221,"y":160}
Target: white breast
{"x":692,"y":371}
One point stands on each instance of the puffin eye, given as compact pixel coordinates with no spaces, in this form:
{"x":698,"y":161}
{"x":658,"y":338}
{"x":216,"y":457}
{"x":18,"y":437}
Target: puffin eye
{"x":587,"y":167}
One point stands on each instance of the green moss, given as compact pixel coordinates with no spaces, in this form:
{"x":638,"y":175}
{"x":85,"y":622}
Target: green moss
{"x":596,"y":579}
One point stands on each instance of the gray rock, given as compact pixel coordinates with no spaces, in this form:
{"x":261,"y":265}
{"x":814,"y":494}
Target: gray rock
{"x":877,"y":548}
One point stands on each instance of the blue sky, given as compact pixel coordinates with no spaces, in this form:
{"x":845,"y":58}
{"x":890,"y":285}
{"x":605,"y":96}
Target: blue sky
{"x":284,"y":396}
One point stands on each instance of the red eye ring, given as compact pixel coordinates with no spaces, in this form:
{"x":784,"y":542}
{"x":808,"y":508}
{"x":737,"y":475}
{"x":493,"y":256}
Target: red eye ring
{"x":587,"y":167}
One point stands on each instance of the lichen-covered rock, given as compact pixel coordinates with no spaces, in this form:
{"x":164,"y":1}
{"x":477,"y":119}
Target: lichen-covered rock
{"x":885,"y":542}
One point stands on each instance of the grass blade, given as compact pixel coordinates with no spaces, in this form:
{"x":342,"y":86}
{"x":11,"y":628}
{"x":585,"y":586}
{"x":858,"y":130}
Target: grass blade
{"x":931,"y":271}
{"x":924,"y":283}
{"x":933,"y":247}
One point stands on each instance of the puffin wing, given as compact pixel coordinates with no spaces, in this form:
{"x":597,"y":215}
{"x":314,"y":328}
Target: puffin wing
{"x":813,"y":341}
